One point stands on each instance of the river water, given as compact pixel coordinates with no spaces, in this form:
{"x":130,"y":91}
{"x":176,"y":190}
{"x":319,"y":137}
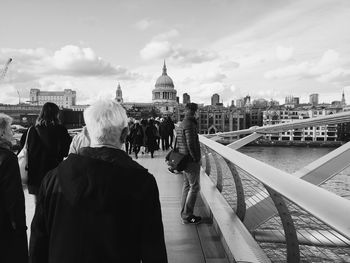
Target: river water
{"x":291,"y":159}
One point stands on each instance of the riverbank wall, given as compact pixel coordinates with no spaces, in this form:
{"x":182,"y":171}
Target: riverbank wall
{"x":269,"y":143}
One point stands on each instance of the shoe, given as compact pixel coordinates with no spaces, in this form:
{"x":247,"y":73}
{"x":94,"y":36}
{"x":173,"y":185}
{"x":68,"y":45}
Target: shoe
{"x":192,"y":220}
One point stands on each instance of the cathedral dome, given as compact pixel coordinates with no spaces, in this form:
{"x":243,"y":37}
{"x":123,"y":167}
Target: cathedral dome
{"x":164,"y":81}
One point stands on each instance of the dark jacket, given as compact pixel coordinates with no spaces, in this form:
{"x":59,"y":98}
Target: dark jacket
{"x":98,"y":206}
{"x":151,"y":135}
{"x":13,"y":236}
{"x":187,"y":138}
{"x":47,"y":146}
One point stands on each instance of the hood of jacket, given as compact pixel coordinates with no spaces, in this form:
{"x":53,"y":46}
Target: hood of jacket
{"x":101,"y":175}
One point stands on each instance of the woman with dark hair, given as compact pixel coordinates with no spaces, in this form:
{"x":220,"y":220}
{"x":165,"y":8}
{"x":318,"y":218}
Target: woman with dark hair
{"x":48,"y":143}
{"x":13,"y":235}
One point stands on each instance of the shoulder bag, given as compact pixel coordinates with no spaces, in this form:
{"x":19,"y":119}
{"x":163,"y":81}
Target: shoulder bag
{"x":177,"y":161}
{"x":23,"y":160}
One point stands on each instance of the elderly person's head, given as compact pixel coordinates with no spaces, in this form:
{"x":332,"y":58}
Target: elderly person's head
{"x":6,"y":133}
{"x":107,"y":123}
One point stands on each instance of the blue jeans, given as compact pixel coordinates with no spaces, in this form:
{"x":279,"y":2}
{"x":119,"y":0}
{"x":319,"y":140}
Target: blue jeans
{"x":190,"y":189}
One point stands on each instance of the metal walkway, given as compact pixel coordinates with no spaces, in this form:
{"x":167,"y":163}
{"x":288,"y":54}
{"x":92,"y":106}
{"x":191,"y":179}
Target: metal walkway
{"x":185,"y":243}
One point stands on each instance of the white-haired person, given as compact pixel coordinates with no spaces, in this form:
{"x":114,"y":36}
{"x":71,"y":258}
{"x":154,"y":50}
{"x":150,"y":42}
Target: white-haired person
{"x":99,"y":205}
{"x":13,"y":235}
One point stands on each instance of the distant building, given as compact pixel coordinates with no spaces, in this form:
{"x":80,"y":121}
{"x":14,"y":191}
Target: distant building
{"x":186,"y":98}
{"x":164,"y":95}
{"x":313,"y":99}
{"x":213,"y":119}
{"x":119,"y":94}
{"x":284,"y":115}
{"x":296,"y":101}
{"x":343,"y":102}
{"x":232,"y":103}
{"x":64,"y":99}
{"x":215,"y":99}
{"x":240,"y":103}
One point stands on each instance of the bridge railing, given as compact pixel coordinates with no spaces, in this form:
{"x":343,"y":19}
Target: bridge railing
{"x":291,"y":216}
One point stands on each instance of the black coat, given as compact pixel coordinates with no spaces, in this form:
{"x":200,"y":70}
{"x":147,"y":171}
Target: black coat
{"x":99,"y":206}
{"x":47,"y":146}
{"x":13,"y":236}
{"x":151,"y":135}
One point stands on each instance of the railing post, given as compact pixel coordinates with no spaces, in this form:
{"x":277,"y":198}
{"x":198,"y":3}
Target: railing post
{"x":292,"y":243}
{"x":241,"y":206}
{"x":218,"y":171}
{"x":207,"y":161}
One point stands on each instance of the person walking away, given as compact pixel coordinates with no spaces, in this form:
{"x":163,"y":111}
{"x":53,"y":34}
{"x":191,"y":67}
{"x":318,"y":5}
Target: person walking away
{"x":128,"y":140}
{"x":188,"y":144}
{"x":163,"y":134}
{"x":156,"y":123}
{"x":99,"y":205}
{"x":137,"y":138}
{"x":48,"y":144}
{"x":144,"y":124}
{"x":151,"y":134}
{"x":13,"y":235}
{"x":170,"y":126}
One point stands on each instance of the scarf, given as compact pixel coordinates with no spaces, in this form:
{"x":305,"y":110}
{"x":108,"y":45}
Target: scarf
{"x":5,"y":144}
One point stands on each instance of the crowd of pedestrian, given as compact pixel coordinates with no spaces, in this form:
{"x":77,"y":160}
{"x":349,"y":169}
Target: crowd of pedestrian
{"x":148,"y":136}
{"x":94,"y":202}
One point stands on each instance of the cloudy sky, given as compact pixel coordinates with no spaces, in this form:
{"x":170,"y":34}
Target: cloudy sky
{"x":264,"y":48}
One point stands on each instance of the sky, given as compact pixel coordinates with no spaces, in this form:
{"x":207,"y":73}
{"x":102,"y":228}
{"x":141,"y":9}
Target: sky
{"x":263,"y":48}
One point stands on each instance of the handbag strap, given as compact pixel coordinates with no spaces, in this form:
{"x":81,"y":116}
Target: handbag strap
{"x":26,"y":142}
{"x":175,"y":143}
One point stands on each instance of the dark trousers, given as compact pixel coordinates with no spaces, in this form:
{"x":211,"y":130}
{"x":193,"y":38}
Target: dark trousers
{"x":165,"y":144}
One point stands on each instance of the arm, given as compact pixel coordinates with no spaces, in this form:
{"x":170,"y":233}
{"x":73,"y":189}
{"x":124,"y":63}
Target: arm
{"x":191,"y":140}
{"x":153,"y":248}
{"x":39,"y":238}
{"x":12,"y":193}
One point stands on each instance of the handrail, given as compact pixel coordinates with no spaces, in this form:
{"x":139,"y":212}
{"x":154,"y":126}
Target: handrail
{"x":327,"y":207}
{"x":294,"y":124}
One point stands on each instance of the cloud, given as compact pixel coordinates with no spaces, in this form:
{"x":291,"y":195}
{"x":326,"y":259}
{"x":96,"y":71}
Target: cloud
{"x":167,"y":35}
{"x":284,"y":53}
{"x":144,"y":24}
{"x":70,"y":60}
{"x":164,"y":49}
{"x":77,"y":61}
{"x":156,"y":49}
{"x":325,"y":69}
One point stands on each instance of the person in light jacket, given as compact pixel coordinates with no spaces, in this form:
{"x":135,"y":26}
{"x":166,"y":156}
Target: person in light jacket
{"x":13,"y":235}
{"x":99,"y":205}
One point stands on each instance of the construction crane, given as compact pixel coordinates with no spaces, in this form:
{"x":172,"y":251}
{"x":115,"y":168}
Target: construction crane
{"x":4,"y":70}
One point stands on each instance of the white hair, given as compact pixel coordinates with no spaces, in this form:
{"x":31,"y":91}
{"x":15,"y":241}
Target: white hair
{"x":105,"y":120}
{"x":5,"y":122}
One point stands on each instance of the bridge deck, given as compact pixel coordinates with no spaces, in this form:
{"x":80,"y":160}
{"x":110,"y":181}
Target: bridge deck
{"x":185,"y":243}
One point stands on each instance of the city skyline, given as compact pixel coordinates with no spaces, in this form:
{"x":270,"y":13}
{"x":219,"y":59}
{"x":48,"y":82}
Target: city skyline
{"x":265,"y":49}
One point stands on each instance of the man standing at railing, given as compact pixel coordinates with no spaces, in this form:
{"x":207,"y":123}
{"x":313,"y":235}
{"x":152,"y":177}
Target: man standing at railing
{"x":188,"y":144}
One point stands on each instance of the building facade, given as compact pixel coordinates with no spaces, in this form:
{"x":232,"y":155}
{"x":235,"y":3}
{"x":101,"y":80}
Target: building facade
{"x":164,"y":95}
{"x":64,"y":99}
{"x":284,"y":115}
{"x":313,"y":99}
{"x":119,"y":94}
{"x":186,"y":98}
{"x":215,"y":99}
